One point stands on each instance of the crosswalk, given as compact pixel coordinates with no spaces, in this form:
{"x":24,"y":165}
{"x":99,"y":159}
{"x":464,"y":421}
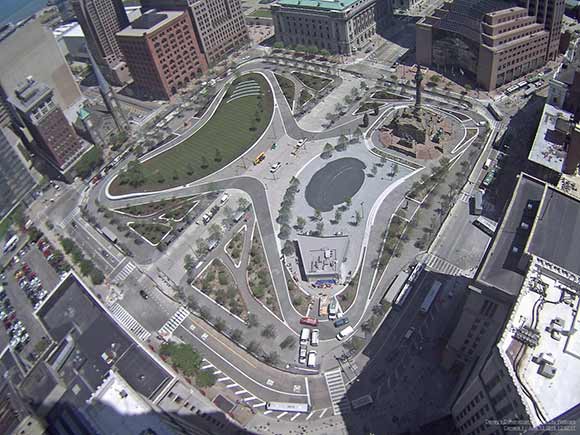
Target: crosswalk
{"x":337,"y":391}
{"x":464,"y":196}
{"x":67,"y":220}
{"x":173,"y":323}
{"x":125,"y":271}
{"x":438,"y":264}
{"x":129,"y":322}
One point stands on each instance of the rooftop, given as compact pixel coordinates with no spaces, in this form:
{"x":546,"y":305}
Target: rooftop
{"x":150,"y":23}
{"x":28,"y":94}
{"x":330,"y":5}
{"x":71,"y":30}
{"x":549,"y":146}
{"x":556,"y":229}
{"x":542,"y":340}
{"x":322,"y":256}
{"x":504,"y":266}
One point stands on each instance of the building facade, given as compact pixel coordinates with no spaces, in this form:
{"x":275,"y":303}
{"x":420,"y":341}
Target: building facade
{"x":15,"y":178}
{"x":338,"y":27}
{"x":31,"y":50}
{"x":54,"y":138}
{"x":100,"y":21}
{"x":162,"y":52}
{"x":219,"y":25}
{"x":492,"y":42}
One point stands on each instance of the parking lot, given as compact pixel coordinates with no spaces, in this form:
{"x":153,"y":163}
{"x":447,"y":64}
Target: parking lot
{"x":26,"y":282}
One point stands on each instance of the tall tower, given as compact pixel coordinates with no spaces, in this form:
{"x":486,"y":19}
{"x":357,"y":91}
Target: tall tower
{"x":100,"y":21}
{"x":110,"y":98}
{"x":549,"y":13}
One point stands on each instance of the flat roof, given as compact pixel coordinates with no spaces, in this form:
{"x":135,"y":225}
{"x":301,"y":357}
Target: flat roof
{"x":502,"y":268}
{"x":552,"y":343}
{"x":556,"y":233}
{"x":331,"y":5}
{"x":150,"y":23}
{"x":549,"y":147}
{"x":98,"y":343}
{"x":322,"y":256}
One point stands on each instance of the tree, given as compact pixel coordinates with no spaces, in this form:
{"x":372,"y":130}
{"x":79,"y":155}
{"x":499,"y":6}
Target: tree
{"x":374,"y":170}
{"x":97,"y":277}
{"x":204,"y":162}
{"x":284,"y":232}
{"x":190,"y":170}
{"x":202,"y":247}
{"x":254,"y":347}
{"x":317,"y":214}
{"x":218,"y":155}
{"x":205,"y":314}
{"x":205,"y":379}
{"x":357,"y":218}
{"x":354,"y":93}
{"x":300,"y":222}
{"x":327,"y":151}
{"x":288,"y":248}
{"x":278,"y":45}
{"x":219,"y":325}
{"x":243,"y":203}
{"x":192,"y":303}
{"x":348,"y":201}
{"x":269,"y":331}
{"x":320,"y":228}
{"x":342,"y":143}
{"x":394,"y":169}
{"x":338,"y":107}
{"x":252,"y":320}
{"x":337,"y":216}
{"x":363,"y":85}
{"x":272,"y":358}
{"x":357,"y":135}
{"x":68,"y":245}
{"x":188,"y":263}
{"x":365,"y":120}
{"x":288,"y":343}
{"x":216,"y":231}
{"x":236,"y":336}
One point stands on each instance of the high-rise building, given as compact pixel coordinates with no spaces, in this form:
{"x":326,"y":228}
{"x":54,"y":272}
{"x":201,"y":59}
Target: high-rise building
{"x":5,"y":111}
{"x":31,"y":50}
{"x":15,"y":178}
{"x":162,"y":53}
{"x":492,"y":42}
{"x":219,"y":25}
{"x":527,"y":374}
{"x":54,"y":138}
{"x":338,"y":27}
{"x":549,"y":13}
{"x":100,"y":21}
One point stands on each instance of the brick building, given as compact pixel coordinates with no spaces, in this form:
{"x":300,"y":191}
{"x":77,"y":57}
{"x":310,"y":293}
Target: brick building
{"x":54,"y":138}
{"x":162,"y":53}
{"x":219,"y":25}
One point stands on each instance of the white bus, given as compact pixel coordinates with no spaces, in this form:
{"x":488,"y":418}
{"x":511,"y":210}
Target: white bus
{"x":430,"y":298}
{"x":109,"y":234}
{"x":287,"y":407}
{"x":416,"y":272}
{"x":10,"y":244}
{"x":403,"y":295}
{"x":396,"y":287}
{"x":495,"y":112}
{"x":486,"y":225}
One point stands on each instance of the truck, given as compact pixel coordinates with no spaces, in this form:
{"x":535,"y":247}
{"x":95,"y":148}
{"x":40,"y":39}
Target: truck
{"x":430,"y":298}
{"x":10,"y":244}
{"x":476,"y":203}
{"x":323,"y":306}
{"x":109,"y":234}
{"x":305,"y":336}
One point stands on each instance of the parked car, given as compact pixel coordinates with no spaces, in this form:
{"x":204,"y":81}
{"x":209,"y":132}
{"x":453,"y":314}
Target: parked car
{"x":315,"y":337}
{"x":341,"y":322}
{"x":144,"y":294}
{"x":311,"y":359}
{"x":275,"y":167}
{"x":309,"y":321}
{"x":345,"y":333}
{"x":302,"y":353}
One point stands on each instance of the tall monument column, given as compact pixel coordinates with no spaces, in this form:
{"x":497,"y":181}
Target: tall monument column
{"x":418,"y":80}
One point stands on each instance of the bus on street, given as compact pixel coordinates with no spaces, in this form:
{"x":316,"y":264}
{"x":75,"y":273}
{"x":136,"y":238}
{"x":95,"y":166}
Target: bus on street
{"x":495,"y":112}
{"x":287,"y":407}
{"x":430,"y":298}
{"x":486,"y":225}
{"x":395,"y":287}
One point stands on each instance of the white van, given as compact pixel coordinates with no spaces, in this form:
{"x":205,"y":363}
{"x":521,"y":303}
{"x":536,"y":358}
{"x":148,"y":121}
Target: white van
{"x":409,"y":333}
{"x":332,"y":310}
{"x":304,"y":335}
{"x":311,"y":358}
{"x":315,"y":339}
{"x":487,"y":164}
{"x":345,"y":333}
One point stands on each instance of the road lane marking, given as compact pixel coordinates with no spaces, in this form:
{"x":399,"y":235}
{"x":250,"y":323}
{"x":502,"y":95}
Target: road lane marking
{"x":258,"y":405}
{"x":237,"y":393}
{"x":249,"y":399}
{"x":259,"y":384}
{"x":295,"y":417}
{"x":309,"y":415}
{"x":267,"y":412}
{"x":323,"y":412}
{"x":225,"y":378}
{"x":281,"y":415}
{"x":207,"y":366}
{"x":307,"y":389}
{"x":232,"y":385}
{"x":217,"y":372}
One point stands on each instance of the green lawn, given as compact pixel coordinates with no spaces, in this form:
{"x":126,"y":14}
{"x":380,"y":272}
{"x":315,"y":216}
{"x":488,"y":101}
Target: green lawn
{"x":153,"y":208}
{"x":287,"y":87}
{"x":234,"y":127}
{"x":313,"y":82}
{"x":369,"y":105}
{"x":153,"y":232}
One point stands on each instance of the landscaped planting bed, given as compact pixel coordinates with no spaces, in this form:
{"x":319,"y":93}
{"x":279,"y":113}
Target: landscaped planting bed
{"x":153,"y":232}
{"x":313,"y":82}
{"x":217,"y":283}
{"x":259,"y":277}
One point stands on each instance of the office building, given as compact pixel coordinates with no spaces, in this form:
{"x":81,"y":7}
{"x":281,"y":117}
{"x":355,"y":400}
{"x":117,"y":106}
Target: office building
{"x":15,"y":178}
{"x":5,"y":109}
{"x":31,"y":50}
{"x":54,"y":138}
{"x":492,"y":42}
{"x":525,"y":370}
{"x":338,"y":27}
{"x":219,"y":25}
{"x":100,"y":21}
{"x":162,"y":53}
